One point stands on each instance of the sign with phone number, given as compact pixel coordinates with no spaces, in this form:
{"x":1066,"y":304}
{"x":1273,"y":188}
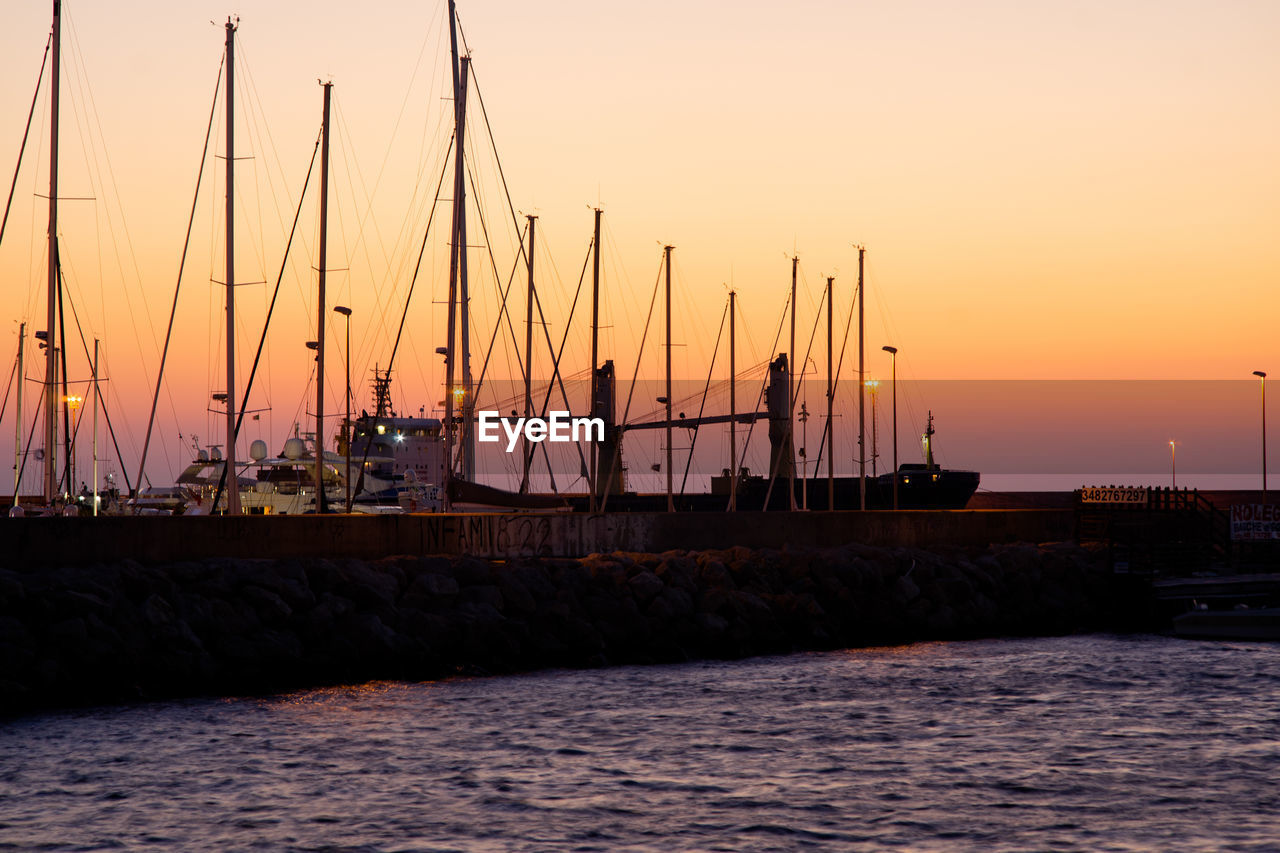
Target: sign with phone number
{"x":1113,"y":495}
{"x":1255,"y":522}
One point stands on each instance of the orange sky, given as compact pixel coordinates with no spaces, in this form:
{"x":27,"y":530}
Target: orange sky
{"x":1076,"y":191}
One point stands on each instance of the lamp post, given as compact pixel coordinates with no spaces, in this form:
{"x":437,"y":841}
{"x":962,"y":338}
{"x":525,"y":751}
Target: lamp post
{"x":893,"y":357}
{"x":346,"y":418}
{"x":1173,"y":461}
{"x":1262,"y":382}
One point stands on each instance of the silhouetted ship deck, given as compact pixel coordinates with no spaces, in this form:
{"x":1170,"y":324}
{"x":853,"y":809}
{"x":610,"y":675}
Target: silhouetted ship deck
{"x":918,"y":488}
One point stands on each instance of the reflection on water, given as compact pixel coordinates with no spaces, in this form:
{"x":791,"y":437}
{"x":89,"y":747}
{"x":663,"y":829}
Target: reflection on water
{"x":1088,"y":743}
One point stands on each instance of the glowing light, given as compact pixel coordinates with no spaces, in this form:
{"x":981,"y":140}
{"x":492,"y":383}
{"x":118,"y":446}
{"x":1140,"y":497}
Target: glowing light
{"x":73,"y":401}
{"x":458,"y":395}
{"x":873,"y":384}
{"x":382,"y":430}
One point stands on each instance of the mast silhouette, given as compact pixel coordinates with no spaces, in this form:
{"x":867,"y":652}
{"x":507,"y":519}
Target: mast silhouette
{"x":791,"y":390}
{"x":320,"y":299}
{"x":528,"y":361}
{"x":50,"y":354}
{"x":831,"y":393}
{"x":733,"y":405}
{"x":666,"y":251}
{"x":233,"y":483}
{"x":459,"y":298}
{"x":862,"y":379}
{"x":17,"y":425}
{"x":595,"y":348}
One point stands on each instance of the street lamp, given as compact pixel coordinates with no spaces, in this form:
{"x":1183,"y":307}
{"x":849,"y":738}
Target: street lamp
{"x":1262,"y":381}
{"x":1173,"y":461}
{"x":346,"y":418}
{"x":893,"y":355}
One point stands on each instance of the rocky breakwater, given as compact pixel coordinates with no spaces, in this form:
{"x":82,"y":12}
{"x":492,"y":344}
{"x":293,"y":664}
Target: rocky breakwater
{"x":124,"y":631}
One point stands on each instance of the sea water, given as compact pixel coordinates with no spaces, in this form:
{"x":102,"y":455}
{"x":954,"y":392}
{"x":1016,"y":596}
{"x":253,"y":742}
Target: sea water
{"x":1078,"y":743}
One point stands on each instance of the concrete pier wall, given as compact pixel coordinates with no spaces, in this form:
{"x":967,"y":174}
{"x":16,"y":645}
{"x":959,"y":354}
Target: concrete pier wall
{"x":29,"y":542}
{"x":121,"y":630}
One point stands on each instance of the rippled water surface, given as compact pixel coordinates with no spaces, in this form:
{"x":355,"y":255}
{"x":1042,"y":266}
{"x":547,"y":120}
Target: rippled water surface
{"x":1081,"y":743}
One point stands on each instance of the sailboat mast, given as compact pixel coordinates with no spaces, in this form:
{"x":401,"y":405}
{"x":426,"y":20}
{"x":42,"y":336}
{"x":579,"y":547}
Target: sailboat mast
{"x":791,"y":388}
{"x":528,"y":360}
{"x":733,"y":405}
{"x":324,"y":246}
{"x":464,"y":297}
{"x":831,"y":394}
{"x":233,"y":483}
{"x":862,"y":387}
{"x":671,"y":507}
{"x":96,"y":399}
{"x":458,"y":294}
{"x":595,"y":343}
{"x":50,"y":360}
{"x":17,"y":424}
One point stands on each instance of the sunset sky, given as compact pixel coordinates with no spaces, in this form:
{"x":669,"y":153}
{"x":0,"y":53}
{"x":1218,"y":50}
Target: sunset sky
{"x":1046,"y":191}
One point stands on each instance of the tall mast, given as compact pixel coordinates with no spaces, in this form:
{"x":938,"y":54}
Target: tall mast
{"x":595,"y":342}
{"x":733,"y":406}
{"x":464,"y":298}
{"x":791,"y":387}
{"x":666,"y":251}
{"x":320,"y":311}
{"x":50,"y":361}
{"x":528,"y":360}
{"x":17,"y":424}
{"x":233,"y":483}
{"x":458,"y":295}
{"x":862,"y":456}
{"x":95,"y":426}
{"x":831,"y":393}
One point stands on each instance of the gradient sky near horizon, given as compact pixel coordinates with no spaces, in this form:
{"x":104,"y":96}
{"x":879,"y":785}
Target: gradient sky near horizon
{"x":1045,"y":191}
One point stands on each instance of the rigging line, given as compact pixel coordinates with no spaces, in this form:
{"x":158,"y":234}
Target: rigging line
{"x":613,"y":462}
{"x":555,"y":371}
{"x":425,"y":235}
{"x":835,"y":382}
{"x":105,"y":412}
{"x":30,"y":435}
{"x":82,"y":79}
{"x":62,"y":336}
{"x":694,"y":441}
{"x":557,"y":379}
{"x":368,"y":445}
{"x":804,"y":367}
{"x":12,"y":372}
{"x":515,"y":225}
{"x":782,"y":320}
{"x":253,"y":372}
{"x":204,"y":154}
{"x":18,"y":168}
{"x":774,"y":457}
{"x":502,"y":310}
